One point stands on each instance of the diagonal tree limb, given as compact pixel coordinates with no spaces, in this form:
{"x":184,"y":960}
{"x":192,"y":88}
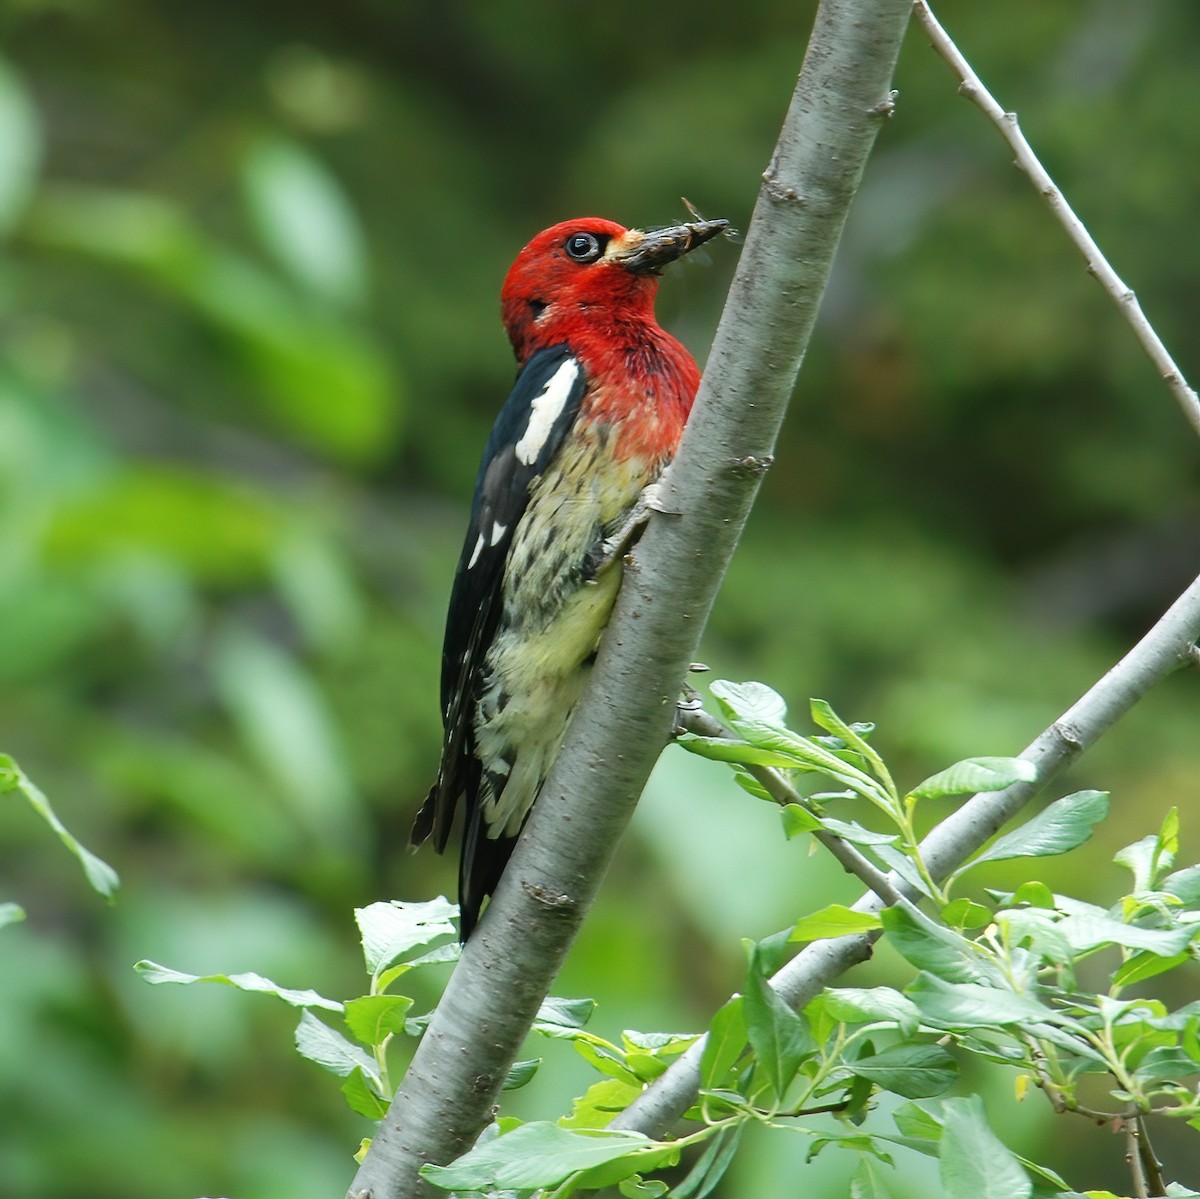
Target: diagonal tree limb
{"x":1166,"y":647}
{"x":842,"y":96}
{"x":971,"y":86}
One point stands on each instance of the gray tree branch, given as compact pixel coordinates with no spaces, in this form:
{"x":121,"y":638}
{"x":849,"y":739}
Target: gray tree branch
{"x":841,"y":98}
{"x":1166,"y":647}
{"x":971,"y":86}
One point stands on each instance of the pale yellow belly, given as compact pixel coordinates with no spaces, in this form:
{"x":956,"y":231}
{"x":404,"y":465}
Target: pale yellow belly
{"x":555,"y":611}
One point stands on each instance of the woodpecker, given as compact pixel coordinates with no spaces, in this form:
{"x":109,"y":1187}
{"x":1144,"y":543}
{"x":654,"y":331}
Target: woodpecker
{"x":599,"y":404}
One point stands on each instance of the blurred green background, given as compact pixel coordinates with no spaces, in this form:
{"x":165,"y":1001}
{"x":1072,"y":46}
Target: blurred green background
{"x":249,"y":352}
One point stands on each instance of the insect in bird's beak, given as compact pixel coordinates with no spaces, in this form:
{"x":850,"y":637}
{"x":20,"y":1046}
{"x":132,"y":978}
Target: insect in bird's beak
{"x":646,"y":253}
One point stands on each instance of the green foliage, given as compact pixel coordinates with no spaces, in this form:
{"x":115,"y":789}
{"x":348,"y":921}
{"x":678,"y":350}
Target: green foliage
{"x":995,"y":983}
{"x":100,"y":875}
{"x":396,"y":938}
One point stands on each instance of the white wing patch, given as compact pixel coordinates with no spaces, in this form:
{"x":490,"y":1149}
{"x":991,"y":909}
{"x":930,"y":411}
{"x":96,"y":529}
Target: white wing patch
{"x":545,"y":410}
{"x":498,"y":531}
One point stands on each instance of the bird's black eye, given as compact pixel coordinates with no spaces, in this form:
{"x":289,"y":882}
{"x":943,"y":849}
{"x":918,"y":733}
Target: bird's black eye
{"x":584,"y":247}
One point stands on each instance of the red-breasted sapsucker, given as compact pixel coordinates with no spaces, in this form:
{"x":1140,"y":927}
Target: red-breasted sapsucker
{"x":599,"y":405}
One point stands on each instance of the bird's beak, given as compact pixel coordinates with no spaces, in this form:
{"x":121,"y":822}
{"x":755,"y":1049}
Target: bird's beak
{"x":644,"y":253}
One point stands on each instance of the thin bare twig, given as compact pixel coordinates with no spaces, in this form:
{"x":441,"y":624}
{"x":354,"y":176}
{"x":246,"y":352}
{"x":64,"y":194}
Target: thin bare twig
{"x":1098,"y":266}
{"x":698,"y":721}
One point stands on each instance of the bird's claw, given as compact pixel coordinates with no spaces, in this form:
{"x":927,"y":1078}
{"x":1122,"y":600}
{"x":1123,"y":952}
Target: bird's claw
{"x":620,"y":542}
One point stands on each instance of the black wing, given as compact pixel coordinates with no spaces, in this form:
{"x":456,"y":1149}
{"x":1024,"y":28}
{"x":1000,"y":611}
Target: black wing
{"x":542,"y":406}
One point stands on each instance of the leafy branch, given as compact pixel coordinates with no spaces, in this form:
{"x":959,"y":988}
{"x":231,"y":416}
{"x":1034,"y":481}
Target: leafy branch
{"x":995,"y":978}
{"x":964,"y":833}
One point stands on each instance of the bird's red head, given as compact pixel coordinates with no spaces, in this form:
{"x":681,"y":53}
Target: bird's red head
{"x":589,"y":270}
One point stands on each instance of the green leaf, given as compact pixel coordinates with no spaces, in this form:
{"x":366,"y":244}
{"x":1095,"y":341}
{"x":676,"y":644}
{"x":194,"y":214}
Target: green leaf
{"x":1086,"y":931}
{"x":895,"y":859}
{"x":1166,"y":1063}
{"x":777,"y":1035}
{"x":835,"y":920}
{"x":914,"y":1071}
{"x":601,"y":1102}
{"x":855,"y":1142}
{"x":622,"y":1170}
{"x":1034,"y":893}
{"x":1168,"y":834}
{"x":753,"y":786}
{"x":1146,"y":965}
{"x":155,"y":974}
{"x":361,"y":1097}
{"x":99,"y":874}
{"x":779,"y":747}
{"x":749,"y":701}
{"x":769,"y":954}
{"x":391,"y":930}
{"x":971,"y":1004}
{"x":973,"y":775}
{"x":1039,"y":930}
{"x":1185,"y":886}
{"x":521,"y":1073}
{"x":20,"y":149}
{"x":450,"y":951}
{"x":710,"y":1167}
{"x":11,"y":913}
{"x":658,"y":1044}
{"x":645,"y":1066}
{"x":935,"y":948}
{"x":319,"y":1043}
{"x":963,"y":913}
{"x":915,"y":1122}
{"x":727,"y":1038}
{"x":541,"y":1154}
{"x":374,"y":1018}
{"x":604,"y":1058}
{"x":1139,"y":858}
{"x":863,"y":1005}
{"x":1061,"y":826}
{"x":306,"y":221}
{"x":797,"y":820}
{"x":975,"y":1164}
{"x":867,"y":1181}
{"x":849,"y":734}
{"x":1150,"y":856}
{"x":558,"y":1017}
{"x":850,"y":830}
{"x":725,"y":749}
